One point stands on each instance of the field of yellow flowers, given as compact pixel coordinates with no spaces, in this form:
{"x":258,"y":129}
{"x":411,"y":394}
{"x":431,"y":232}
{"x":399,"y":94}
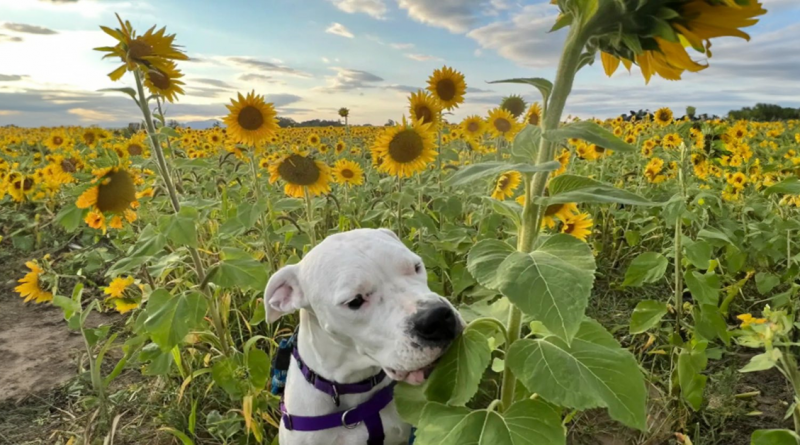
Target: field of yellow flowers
{"x":629,"y":280}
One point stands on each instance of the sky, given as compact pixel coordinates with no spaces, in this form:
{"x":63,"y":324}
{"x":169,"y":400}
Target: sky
{"x":311,"y":57}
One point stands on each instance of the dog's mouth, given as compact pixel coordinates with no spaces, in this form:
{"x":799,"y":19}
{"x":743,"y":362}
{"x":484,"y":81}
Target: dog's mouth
{"x":414,"y":377}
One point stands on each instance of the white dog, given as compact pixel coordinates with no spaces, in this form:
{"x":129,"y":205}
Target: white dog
{"x":366,"y":313}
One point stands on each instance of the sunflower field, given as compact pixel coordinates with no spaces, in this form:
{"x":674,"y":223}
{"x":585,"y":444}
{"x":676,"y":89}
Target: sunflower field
{"x":625,"y":281}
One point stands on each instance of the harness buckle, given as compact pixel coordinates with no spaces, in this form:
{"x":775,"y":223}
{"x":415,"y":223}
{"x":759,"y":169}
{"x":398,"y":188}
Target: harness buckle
{"x":335,"y":395}
{"x":344,"y":420}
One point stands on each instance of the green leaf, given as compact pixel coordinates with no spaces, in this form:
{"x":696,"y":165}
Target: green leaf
{"x":526,"y":144}
{"x":633,"y":237}
{"x":180,"y":228}
{"x":474,"y":172}
{"x":67,"y":305}
{"x":150,"y":242}
{"x":543,"y":85}
{"x":227,"y":374}
{"x":699,"y":254}
{"x":691,"y":362}
{"x":239,"y":269}
{"x":528,"y":422}
{"x":647,"y":314}
{"x":591,"y":132}
{"x":648,"y":267}
{"x":594,"y":371}
{"x":765,"y":282}
{"x":169,"y":131}
{"x":774,"y":437}
{"x":410,"y":400}
{"x":551,"y":284}
{"x":704,"y":287}
{"x":70,"y":217}
{"x":710,"y":323}
{"x":789,"y":186}
{"x":457,"y":375}
{"x":128,"y":90}
{"x":258,"y":367}
{"x":185,"y":440}
{"x":170,"y":318}
{"x":509,"y":209}
{"x":762,"y":362}
{"x":562,"y":21}
{"x":579,"y":189}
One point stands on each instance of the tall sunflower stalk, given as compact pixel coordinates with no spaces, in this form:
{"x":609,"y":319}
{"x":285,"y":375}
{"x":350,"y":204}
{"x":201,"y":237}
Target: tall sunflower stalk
{"x":620,"y":31}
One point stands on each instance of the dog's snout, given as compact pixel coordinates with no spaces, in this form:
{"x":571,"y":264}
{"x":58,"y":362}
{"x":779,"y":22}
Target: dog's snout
{"x":437,"y":325}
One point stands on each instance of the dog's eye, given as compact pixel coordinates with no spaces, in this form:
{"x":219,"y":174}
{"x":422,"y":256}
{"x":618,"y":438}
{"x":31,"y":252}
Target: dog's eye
{"x":356,"y":302}
{"x":417,"y":267}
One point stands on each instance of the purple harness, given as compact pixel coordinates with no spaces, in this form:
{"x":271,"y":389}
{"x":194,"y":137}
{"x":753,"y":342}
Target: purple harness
{"x":367,"y":412}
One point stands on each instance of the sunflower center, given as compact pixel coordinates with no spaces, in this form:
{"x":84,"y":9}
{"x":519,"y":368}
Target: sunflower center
{"x":58,"y":140}
{"x":116,"y":192}
{"x":89,"y":137}
{"x":533,"y":119}
{"x":347,"y":173}
{"x":473,"y":127}
{"x":134,"y":149}
{"x":250,"y":118}
{"x":424,"y":113}
{"x":553,"y":209}
{"x":514,"y":105}
{"x":27,"y":184}
{"x":446,"y":89}
{"x":406,"y":146}
{"x":159,"y":79}
{"x":68,"y":165}
{"x":502,"y":125}
{"x":137,"y":49}
{"x":299,"y":170}
{"x":504,"y":182}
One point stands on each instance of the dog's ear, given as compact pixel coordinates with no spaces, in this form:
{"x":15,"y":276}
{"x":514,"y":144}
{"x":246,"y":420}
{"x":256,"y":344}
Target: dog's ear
{"x":283,"y":294}
{"x":390,"y":233}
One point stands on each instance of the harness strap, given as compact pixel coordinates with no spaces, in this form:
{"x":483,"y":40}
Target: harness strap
{"x":367,"y":412}
{"x":334,"y":389}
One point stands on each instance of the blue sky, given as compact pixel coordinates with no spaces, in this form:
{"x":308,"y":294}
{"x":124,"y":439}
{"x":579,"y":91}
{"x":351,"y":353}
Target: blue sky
{"x":311,"y":57}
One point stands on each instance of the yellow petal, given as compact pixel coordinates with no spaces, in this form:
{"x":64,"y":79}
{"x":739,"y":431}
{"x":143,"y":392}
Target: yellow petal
{"x":610,"y":63}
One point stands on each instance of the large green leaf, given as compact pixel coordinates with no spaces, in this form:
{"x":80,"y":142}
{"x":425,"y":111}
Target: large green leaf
{"x":704,"y":287}
{"x":594,"y":371}
{"x":774,"y":437}
{"x":699,"y":254}
{"x":474,"y":172}
{"x":551,"y":284}
{"x":789,"y":186}
{"x":457,"y":375}
{"x":180,"y":228}
{"x":648,"y":267}
{"x":169,"y":318}
{"x":580,"y":189}
{"x":647,"y":314}
{"x":543,"y":85}
{"x":410,"y":400}
{"x":239,"y":269}
{"x":528,"y":422}
{"x":150,"y":242}
{"x":691,"y":362}
{"x":70,"y":217}
{"x":591,"y":132}
{"x":526,"y":144}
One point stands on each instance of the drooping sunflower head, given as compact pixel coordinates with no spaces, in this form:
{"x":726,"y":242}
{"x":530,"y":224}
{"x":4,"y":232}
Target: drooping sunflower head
{"x":115,"y":191}
{"x":347,"y":172}
{"x":448,"y":86}
{"x":506,"y":184}
{"x":301,"y":173}
{"x":514,"y":104}
{"x":30,"y":287}
{"x":422,"y":105}
{"x":405,"y":149}
{"x":251,"y":119}
{"x":165,"y":81}
{"x":344,"y":112}
{"x":473,"y":127}
{"x":502,"y":124}
{"x":534,"y":116}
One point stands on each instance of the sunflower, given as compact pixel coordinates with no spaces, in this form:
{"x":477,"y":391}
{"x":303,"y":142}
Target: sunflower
{"x":534,"y":115}
{"x":562,"y":159}
{"x":347,"y":172}
{"x":96,"y":220}
{"x":340,"y":147}
{"x":301,"y":173}
{"x":663,"y":116}
{"x":313,"y":139}
{"x":114,"y":191}
{"x":473,"y":127}
{"x":165,"y":82}
{"x":118,"y":297}
{"x":152,"y":50}
{"x":135,"y":146}
{"x":422,"y":105}
{"x":89,"y":137}
{"x":506,"y":184}
{"x":514,"y":104}
{"x":502,"y":124}
{"x":117,"y":286}
{"x":561,"y":212}
{"x":448,"y":86}
{"x":251,"y":120}
{"x":405,"y":149}
{"x":344,"y":112}
{"x":56,"y":139}
{"x":579,"y":226}
{"x":738,"y":180}
{"x":30,"y":288}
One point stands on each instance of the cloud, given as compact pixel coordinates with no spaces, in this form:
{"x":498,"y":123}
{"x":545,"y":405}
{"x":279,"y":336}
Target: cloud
{"x":401,"y":45}
{"x":89,"y":116}
{"x":280,"y":100}
{"x":374,"y":8}
{"x":456,"y":16}
{"x":348,"y":80}
{"x":401,"y":88}
{"x":7,"y":38}
{"x":10,"y":77}
{"x":478,"y":90}
{"x":207,"y":92}
{"x":262,"y":65}
{"x":524,"y":38}
{"x":339,"y":30}
{"x":28,"y":29}
{"x":58,"y":1}
{"x":213,"y":82}
{"x":253,"y":77}
{"x":421,"y":57}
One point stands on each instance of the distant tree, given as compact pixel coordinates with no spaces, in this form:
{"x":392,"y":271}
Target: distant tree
{"x":216,"y":124}
{"x":286,"y":122}
{"x":765,"y":113}
{"x":173,"y":123}
{"x":389,"y":123}
{"x":691,"y":111}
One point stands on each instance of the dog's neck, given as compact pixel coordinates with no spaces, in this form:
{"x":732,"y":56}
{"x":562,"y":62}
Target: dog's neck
{"x":332,"y":358}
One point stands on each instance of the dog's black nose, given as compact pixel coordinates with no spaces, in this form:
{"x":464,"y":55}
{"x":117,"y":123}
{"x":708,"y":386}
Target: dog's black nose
{"x":436,"y":325}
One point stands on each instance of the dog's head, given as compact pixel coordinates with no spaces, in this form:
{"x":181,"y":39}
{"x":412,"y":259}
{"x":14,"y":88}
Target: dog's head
{"x":367,"y":289}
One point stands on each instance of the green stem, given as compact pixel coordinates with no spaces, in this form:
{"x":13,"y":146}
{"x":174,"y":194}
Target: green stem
{"x":399,"y":208}
{"x":312,"y":233}
{"x":262,"y":217}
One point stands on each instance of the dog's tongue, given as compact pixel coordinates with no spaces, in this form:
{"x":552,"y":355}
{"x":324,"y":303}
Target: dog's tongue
{"x":415,"y":377}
